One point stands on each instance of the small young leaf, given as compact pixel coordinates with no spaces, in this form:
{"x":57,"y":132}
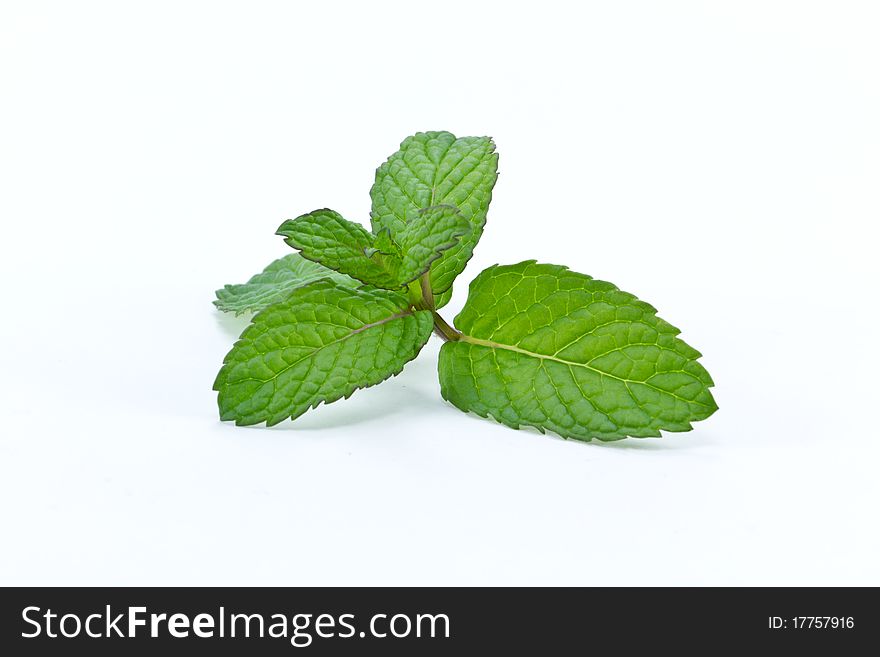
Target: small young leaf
{"x":320,"y":344}
{"x":275,"y":283}
{"x":325,"y":237}
{"x":380,"y":260}
{"x":383,"y":243}
{"x":443,"y":298}
{"x":549,"y":348}
{"x":433,"y":168}
{"x":426,"y":236}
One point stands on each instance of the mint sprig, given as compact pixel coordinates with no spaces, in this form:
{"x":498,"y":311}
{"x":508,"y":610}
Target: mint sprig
{"x":535,"y":345}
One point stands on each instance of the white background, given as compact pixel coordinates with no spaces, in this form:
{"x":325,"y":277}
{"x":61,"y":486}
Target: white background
{"x":720,"y":160}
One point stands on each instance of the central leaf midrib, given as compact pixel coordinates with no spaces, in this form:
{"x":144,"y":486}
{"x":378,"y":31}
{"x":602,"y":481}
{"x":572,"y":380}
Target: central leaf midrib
{"x":569,"y":363}
{"x":509,"y":347}
{"x":360,"y":329}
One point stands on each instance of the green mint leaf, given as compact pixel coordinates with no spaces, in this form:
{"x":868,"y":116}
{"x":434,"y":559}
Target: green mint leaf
{"x":443,"y":298}
{"x":426,"y":236}
{"x":274,"y":284}
{"x":553,"y":349}
{"x":435,"y":168}
{"x":383,"y":243}
{"x":381,"y":260}
{"x":319,"y":345}
{"x":325,"y":237}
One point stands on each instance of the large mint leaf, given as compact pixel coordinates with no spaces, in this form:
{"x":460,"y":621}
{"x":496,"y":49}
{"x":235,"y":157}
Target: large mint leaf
{"x":549,"y":348}
{"x":325,"y":237}
{"x":320,"y":344}
{"x":433,"y":168}
{"x":274,"y":284}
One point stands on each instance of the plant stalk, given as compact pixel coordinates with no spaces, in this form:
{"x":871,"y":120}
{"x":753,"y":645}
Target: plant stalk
{"x":444,"y":330}
{"x":422,"y":298}
{"x":427,"y":292}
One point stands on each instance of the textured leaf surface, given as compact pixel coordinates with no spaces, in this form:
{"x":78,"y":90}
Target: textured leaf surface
{"x":383,"y":243}
{"x":560,"y":351}
{"x":443,"y":298}
{"x":381,"y":260}
{"x":433,"y":168}
{"x":426,"y":236}
{"x":326,"y":237}
{"x":321,"y":344}
{"x":274,"y":284}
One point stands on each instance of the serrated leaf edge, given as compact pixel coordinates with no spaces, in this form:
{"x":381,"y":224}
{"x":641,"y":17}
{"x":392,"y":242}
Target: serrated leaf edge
{"x":497,"y":345}
{"x":336,"y":269}
{"x":329,"y":400}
